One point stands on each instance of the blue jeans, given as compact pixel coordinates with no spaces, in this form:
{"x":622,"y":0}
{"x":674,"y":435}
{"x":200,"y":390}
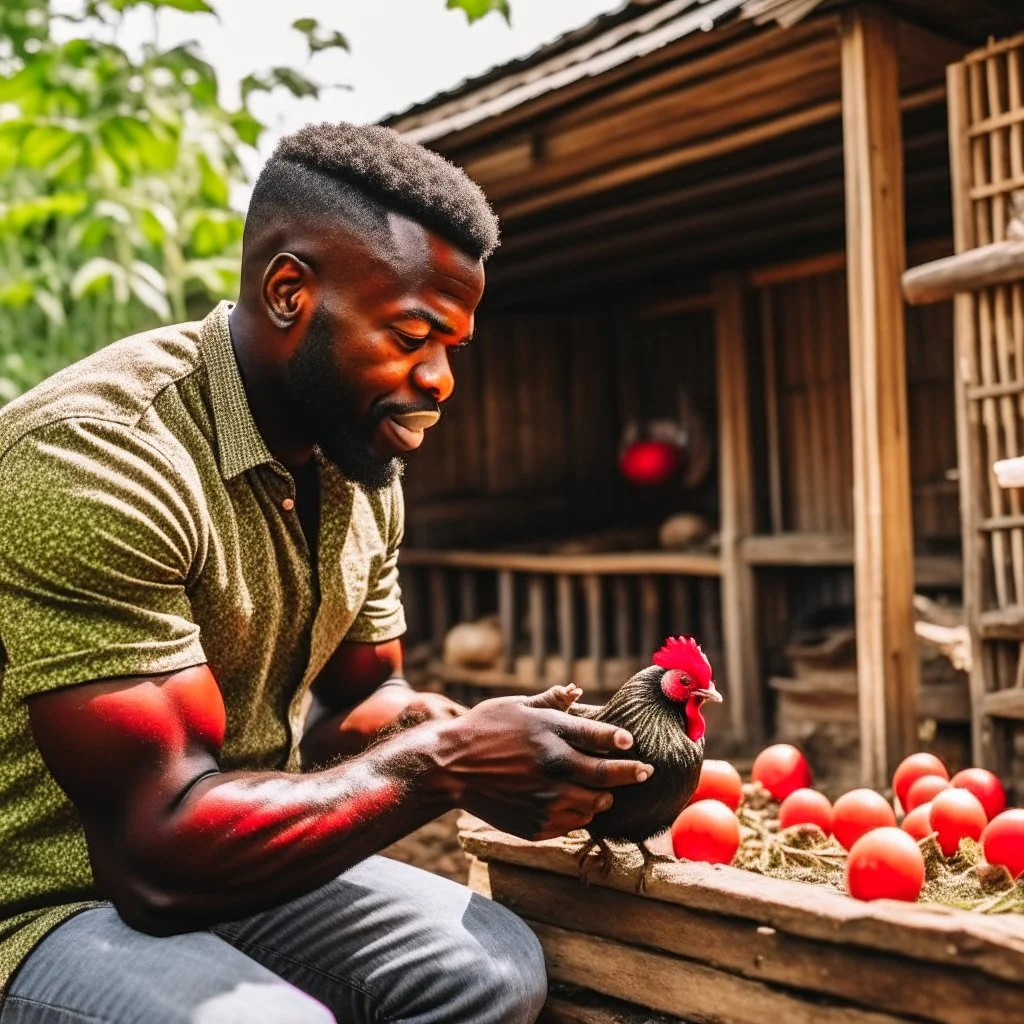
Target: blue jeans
{"x":382,"y":943}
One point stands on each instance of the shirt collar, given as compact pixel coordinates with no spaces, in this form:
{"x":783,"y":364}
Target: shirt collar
{"x":240,"y":446}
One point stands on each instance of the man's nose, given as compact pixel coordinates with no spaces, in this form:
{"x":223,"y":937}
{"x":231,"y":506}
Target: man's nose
{"x":433,"y":373}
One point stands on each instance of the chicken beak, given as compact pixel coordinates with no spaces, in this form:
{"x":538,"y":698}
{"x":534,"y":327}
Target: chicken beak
{"x":709,"y":694}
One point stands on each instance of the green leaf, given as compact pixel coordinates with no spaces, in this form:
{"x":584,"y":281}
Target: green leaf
{"x":51,"y":306}
{"x":135,"y":147}
{"x":477,"y":9}
{"x":213,"y":186}
{"x":17,"y":294}
{"x":98,"y":274}
{"x":297,"y":84}
{"x":213,"y":232}
{"x":43,"y":144}
{"x":150,"y":288}
{"x":189,"y":6}
{"x":320,"y":38}
{"x":247,"y":127}
{"x":19,"y":216}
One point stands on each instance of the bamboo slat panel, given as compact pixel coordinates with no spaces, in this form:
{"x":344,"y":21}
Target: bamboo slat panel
{"x":805,"y":348}
{"x":987,"y":147}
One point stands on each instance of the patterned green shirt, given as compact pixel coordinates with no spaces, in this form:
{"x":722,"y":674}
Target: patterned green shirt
{"x":146,"y":528}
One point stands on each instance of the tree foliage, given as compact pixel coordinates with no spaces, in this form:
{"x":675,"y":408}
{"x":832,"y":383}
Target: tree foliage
{"x":116,"y":171}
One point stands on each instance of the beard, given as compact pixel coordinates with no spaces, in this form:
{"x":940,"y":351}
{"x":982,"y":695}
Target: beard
{"x":325,"y":407}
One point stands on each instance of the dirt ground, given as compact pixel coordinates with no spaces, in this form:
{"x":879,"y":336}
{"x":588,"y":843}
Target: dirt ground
{"x":435,"y":847}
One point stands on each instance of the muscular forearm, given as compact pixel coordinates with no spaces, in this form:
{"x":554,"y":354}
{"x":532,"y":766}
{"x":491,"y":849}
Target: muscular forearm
{"x":241,"y":842}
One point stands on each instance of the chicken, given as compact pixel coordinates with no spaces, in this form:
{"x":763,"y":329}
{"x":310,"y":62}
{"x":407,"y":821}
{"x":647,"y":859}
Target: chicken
{"x":661,"y":708}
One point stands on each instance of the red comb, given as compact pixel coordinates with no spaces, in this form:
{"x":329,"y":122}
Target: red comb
{"x":684,"y":654}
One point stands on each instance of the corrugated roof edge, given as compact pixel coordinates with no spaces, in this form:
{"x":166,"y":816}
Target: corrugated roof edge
{"x":607,"y":41}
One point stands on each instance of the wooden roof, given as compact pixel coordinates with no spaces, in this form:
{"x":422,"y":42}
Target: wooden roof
{"x":640,"y":27}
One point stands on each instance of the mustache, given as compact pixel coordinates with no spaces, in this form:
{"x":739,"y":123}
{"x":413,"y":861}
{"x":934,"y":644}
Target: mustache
{"x":385,"y":409}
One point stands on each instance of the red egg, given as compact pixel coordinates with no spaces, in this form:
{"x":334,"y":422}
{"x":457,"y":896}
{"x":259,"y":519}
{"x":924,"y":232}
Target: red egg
{"x":918,"y":822}
{"x":885,"y":864}
{"x":650,"y":462}
{"x":1003,"y":841}
{"x":782,"y":770}
{"x":858,"y":812}
{"x":911,"y":769}
{"x":706,"y":831}
{"x":719,"y":780}
{"x":924,"y":790}
{"x":806,"y":807}
{"x":957,"y":814}
{"x":985,"y":786}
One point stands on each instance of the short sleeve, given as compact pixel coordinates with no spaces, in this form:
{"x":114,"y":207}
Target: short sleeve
{"x":382,"y":616}
{"x":97,"y":541}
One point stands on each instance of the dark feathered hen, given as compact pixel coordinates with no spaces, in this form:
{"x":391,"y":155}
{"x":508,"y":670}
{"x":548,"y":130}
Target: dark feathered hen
{"x":661,"y":708}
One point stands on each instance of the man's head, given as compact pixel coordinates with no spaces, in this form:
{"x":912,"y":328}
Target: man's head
{"x":362,"y":266}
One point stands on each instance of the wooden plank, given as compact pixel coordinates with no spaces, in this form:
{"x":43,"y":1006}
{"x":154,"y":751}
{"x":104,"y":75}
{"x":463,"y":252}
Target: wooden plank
{"x":968,"y":442}
{"x":585,"y":1007}
{"x":627,"y":563}
{"x":595,"y":624}
{"x":566,"y":601}
{"x":769,"y":359}
{"x":998,"y":263}
{"x":650,"y":615}
{"x":736,"y":500}
{"x":439,"y":619}
{"x":507,"y":617}
{"x":884,"y":544}
{"x":621,"y":605}
{"x":993,"y":944}
{"x":538,"y":624}
{"x":467,"y":596}
{"x":1004,"y":704}
{"x":673,"y":985}
{"x":869,"y":978}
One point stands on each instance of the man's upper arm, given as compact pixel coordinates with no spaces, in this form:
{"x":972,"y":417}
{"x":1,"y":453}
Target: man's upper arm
{"x":97,"y":541}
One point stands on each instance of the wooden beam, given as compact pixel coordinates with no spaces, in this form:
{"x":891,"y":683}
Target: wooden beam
{"x":884,"y":542}
{"x":736,"y":499}
{"x":614,"y":563}
{"x":998,"y":263}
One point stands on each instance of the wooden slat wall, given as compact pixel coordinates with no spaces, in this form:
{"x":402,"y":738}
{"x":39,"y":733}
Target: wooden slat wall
{"x":812,"y":372}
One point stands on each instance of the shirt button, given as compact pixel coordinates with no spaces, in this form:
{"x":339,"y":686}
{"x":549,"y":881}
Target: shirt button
{"x":288,"y":504}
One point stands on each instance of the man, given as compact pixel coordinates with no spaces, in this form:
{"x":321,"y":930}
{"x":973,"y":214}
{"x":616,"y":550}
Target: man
{"x":199,"y":530}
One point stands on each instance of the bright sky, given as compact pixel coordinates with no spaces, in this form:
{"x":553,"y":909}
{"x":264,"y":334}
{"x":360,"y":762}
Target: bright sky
{"x":403,"y":51}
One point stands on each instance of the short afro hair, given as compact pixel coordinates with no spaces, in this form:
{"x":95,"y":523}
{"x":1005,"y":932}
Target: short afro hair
{"x":379,"y":164}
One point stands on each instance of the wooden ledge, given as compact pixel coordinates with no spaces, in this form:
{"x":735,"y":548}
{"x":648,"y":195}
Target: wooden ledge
{"x":927,"y":932}
{"x":999,"y":263}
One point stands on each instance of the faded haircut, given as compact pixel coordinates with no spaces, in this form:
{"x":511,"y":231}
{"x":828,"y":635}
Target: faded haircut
{"x":344,"y":171}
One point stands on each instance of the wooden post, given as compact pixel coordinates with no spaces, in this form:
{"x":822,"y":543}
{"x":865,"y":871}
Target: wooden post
{"x":467,"y":596}
{"x":884,"y":542}
{"x":507,"y":617}
{"x":566,"y":625}
{"x":595,"y":627}
{"x":736,"y":490}
{"x":650,"y":616}
{"x":439,"y":607}
{"x":538,"y":622}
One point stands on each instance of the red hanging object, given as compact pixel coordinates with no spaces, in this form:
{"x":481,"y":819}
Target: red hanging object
{"x":648,"y":463}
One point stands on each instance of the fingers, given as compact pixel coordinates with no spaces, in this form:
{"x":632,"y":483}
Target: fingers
{"x":574,"y":807}
{"x":606,"y":772}
{"x":596,"y":737}
{"x":557,"y":698}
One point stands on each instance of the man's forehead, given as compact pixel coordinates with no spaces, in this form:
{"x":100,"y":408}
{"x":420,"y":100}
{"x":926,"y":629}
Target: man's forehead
{"x":421,"y":257}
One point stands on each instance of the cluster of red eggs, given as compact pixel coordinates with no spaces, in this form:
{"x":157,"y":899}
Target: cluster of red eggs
{"x":885,"y":861}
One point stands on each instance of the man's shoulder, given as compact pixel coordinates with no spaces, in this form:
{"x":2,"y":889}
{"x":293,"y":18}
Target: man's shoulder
{"x":118,"y":384}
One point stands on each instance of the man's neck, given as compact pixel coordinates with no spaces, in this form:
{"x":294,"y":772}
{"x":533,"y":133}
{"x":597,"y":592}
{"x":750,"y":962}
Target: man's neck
{"x":262,"y":390}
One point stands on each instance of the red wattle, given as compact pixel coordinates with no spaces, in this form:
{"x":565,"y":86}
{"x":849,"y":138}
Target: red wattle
{"x":695,"y":724}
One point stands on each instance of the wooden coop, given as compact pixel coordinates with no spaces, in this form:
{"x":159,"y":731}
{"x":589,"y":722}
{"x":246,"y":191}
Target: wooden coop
{"x":707,"y":208}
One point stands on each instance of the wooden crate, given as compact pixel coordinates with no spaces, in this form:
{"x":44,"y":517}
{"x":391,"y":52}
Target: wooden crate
{"x":718,"y":944}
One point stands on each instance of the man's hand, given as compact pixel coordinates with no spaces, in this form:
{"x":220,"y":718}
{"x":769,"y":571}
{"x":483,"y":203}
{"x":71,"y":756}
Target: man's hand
{"x":397,"y":705}
{"x":527,"y":767}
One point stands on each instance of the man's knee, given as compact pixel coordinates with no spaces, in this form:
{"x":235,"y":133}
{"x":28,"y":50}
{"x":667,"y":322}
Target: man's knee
{"x":275,"y":1003}
{"x":511,"y":974}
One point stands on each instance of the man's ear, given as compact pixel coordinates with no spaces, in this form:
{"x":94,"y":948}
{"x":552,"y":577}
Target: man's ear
{"x":288,"y":289}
